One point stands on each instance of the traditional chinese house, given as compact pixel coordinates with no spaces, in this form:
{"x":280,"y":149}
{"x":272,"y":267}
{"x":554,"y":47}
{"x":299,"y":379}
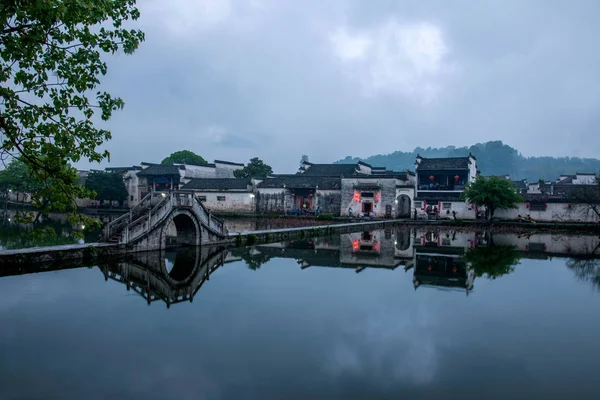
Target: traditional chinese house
{"x":440,"y":183}
{"x":159,"y":178}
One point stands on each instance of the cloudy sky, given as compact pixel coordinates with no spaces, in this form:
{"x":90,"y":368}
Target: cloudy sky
{"x":234,"y":79}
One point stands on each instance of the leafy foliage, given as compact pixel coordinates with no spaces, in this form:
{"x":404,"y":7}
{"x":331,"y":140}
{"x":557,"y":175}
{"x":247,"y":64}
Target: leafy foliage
{"x":50,"y":65}
{"x":493,"y":158}
{"x":255,"y":169}
{"x":107,"y":186}
{"x":492,"y":261}
{"x":184,"y":157}
{"x":493,"y":193}
{"x":586,"y":197}
{"x":18,"y":177}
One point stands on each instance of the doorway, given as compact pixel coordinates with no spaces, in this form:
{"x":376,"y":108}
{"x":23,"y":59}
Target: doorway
{"x":367,"y":207}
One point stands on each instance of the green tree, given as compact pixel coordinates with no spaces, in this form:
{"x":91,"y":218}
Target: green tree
{"x":18,"y":177}
{"x":256,"y":168}
{"x":50,"y":65}
{"x":107,"y":186}
{"x":494,"y":193}
{"x":184,"y":157}
{"x":585,"y":197}
{"x":492,"y":261}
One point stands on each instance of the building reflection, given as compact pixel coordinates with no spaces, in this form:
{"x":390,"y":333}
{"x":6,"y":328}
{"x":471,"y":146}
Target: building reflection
{"x":438,"y":258}
{"x":442,"y":259}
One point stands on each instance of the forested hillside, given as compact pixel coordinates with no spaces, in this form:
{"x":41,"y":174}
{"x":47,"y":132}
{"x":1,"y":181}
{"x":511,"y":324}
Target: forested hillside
{"x":493,"y":158}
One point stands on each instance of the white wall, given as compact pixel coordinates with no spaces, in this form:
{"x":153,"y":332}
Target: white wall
{"x":555,"y":212}
{"x":234,"y":201}
{"x":463,"y":210}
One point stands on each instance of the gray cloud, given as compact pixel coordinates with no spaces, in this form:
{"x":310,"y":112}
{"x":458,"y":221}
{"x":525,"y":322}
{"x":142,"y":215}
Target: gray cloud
{"x":233,"y":80}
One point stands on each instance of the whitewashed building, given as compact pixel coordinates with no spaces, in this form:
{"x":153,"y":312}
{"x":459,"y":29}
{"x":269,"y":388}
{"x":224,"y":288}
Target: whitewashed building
{"x":224,"y":194}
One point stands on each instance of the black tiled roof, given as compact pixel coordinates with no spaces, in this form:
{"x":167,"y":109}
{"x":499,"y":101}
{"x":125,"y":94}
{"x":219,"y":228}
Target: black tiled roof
{"x":519,"y":184}
{"x":218,"y":184}
{"x":228,"y":163}
{"x":158,"y":169}
{"x":302,"y":182}
{"x":122,"y":169}
{"x":336,"y":170}
{"x":444,"y":163}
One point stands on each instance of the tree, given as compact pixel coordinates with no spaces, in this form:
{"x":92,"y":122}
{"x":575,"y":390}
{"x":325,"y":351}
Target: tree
{"x":493,"y":193}
{"x":184,"y":157}
{"x":255,"y":169}
{"x":107,"y":186}
{"x":585,"y":197}
{"x":303,"y":160}
{"x":18,"y":177}
{"x":50,"y":65}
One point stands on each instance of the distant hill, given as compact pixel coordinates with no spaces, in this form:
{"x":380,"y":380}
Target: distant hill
{"x":493,"y":158}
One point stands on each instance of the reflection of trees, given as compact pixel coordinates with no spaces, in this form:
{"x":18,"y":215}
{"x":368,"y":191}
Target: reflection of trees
{"x":492,"y":261}
{"x":254,"y":261}
{"x":586,"y":269}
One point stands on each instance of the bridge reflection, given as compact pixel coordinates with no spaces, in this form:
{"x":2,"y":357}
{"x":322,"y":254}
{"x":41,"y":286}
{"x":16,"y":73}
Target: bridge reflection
{"x":440,"y":258}
{"x":449,"y":260}
{"x":168,"y":276}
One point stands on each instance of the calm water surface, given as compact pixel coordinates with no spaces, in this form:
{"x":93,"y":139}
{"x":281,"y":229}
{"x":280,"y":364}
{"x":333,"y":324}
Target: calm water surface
{"x":377,"y":315}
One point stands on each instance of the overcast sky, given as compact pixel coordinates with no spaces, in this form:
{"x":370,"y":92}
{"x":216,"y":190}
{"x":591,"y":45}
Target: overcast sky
{"x":233,"y":79}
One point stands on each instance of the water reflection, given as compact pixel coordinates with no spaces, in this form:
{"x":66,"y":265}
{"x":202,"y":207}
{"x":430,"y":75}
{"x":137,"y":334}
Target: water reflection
{"x":326,"y":318}
{"x":169,"y":276}
{"x":448,"y":260}
{"x":55,"y":226}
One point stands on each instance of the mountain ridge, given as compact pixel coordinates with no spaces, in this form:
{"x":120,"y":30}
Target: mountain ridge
{"x":493,"y":158}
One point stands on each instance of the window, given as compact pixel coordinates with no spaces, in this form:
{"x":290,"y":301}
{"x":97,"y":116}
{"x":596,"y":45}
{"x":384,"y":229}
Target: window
{"x":202,"y":198}
{"x":367,"y":194}
{"x":447,"y":205}
{"x":220,"y":198}
{"x":130,"y":198}
{"x":418,"y":204}
{"x":537,"y":207}
{"x":367,"y":236}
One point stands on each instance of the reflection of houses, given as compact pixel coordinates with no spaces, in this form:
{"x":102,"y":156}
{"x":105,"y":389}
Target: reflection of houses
{"x":438,"y":260}
{"x":377,"y":249}
{"x":440,"y":183}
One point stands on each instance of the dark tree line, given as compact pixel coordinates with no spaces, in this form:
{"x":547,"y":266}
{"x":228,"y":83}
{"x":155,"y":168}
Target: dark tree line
{"x":493,"y":158}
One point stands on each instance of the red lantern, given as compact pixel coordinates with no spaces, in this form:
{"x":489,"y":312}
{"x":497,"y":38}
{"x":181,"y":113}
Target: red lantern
{"x":431,"y":177}
{"x":456,"y":177}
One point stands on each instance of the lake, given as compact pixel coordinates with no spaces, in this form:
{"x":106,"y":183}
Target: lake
{"x":421,"y":314}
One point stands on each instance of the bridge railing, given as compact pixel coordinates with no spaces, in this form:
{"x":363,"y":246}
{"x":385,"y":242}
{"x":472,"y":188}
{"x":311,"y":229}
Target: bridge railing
{"x":153,"y":208}
{"x":117,"y":225}
{"x":214,"y":223}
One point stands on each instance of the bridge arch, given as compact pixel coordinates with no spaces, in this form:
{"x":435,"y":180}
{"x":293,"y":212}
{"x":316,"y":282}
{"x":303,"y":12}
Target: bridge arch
{"x":182,"y":228}
{"x":179,"y":266}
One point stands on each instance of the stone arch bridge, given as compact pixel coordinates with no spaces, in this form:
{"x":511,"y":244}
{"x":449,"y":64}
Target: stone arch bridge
{"x":166,"y":219}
